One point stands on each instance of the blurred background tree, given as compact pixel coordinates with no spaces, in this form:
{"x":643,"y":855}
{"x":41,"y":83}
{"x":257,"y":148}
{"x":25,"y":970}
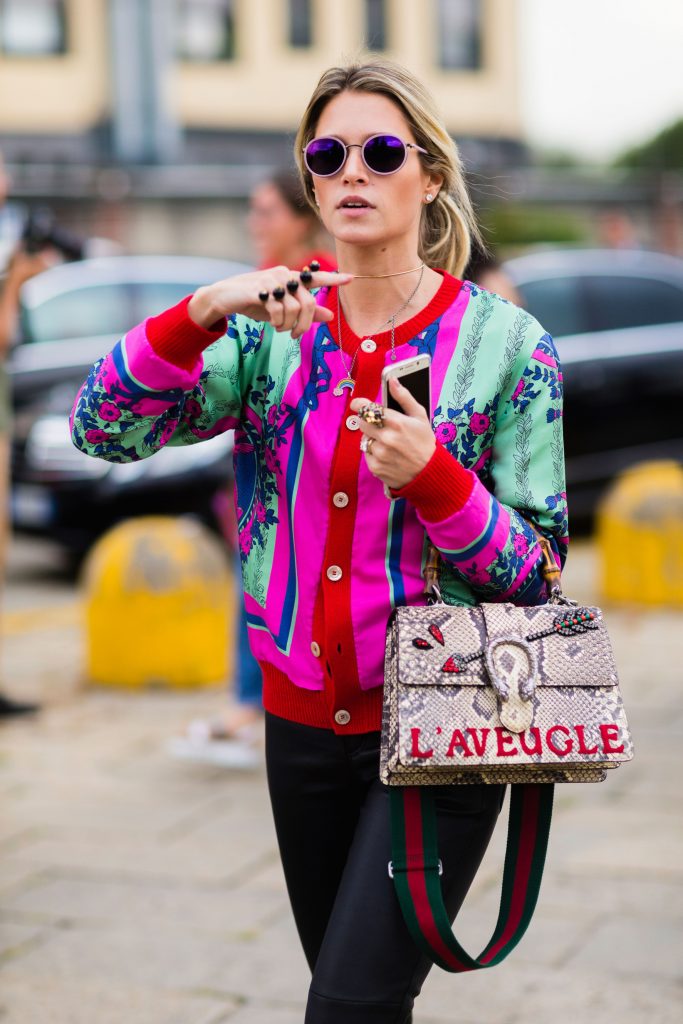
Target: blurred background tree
{"x":663,"y":152}
{"x":509,"y":226}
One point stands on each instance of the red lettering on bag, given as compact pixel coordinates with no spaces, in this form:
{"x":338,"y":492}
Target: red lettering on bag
{"x":551,"y":745}
{"x":583,"y":749}
{"x":415,"y":751}
{"x":503,"y":739}
{"x":610,"y":733}
{"x":458,"y":740}
{"x":537,"y":748}
{"x":479,"y":741}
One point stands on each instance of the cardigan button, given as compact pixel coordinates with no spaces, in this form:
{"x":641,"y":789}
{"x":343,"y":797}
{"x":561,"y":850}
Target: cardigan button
{"x":315,"y":649}
{"x":342,"y":717}
{"x":334,"y":573}
{"x":368,"y":345}
{"x":352,"y":422}
{"x":340,"y":499}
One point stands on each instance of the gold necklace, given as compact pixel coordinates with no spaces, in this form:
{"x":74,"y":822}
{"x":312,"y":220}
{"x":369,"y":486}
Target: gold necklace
{"x":376,"y":277}
{"x":347,"y":381}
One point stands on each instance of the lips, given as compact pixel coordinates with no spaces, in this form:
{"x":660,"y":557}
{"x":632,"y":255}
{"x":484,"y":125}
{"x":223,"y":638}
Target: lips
{"x":354,"y":203}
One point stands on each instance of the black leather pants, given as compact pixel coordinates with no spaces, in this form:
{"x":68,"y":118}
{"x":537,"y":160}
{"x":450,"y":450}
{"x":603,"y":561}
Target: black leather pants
{"x":332,"y":820}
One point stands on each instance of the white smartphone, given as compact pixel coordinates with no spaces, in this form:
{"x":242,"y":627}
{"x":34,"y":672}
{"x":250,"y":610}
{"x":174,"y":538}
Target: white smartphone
{"x":414,"y":374}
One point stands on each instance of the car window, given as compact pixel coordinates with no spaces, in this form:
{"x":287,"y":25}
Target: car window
{"x":80,"y":313}
{"x":100,"y":309}
{"x":557,"y":304}
{"x":153,"y":297}
{"x":620,"y":301}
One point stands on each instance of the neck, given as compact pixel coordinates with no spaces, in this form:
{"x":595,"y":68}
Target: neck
{"x":370,"y":301}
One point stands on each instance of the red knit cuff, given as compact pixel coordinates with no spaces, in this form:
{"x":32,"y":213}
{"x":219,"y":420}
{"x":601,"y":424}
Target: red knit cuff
{"x":440,"y":489}
{"x":178,"y":339}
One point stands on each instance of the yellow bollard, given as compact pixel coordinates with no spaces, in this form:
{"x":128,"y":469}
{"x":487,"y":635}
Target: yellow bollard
{"x":640,"y":535}
{"x":160,"y":601}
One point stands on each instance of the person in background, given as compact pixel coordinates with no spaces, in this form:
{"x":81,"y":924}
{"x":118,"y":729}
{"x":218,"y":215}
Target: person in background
{"x":284,"y":231}
{"x":283,"y":228}
{"x":21,"y":266}
{"x":616,"y":230}
{"x":484,"y":269}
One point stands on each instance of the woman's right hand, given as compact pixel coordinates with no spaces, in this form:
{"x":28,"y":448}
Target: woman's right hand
{"x":240,"y":294}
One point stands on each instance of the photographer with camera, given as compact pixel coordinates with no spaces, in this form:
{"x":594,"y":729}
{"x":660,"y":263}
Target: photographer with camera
{"x":27,"y":260}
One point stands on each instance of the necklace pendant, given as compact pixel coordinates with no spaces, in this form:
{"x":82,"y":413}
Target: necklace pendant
{"x":346,"y":383}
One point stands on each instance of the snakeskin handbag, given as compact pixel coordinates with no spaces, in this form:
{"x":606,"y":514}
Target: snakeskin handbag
{"x":494,"y":693}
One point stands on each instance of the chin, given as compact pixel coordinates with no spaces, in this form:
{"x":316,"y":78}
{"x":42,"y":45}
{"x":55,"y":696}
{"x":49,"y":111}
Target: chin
{"x":360,"y":234}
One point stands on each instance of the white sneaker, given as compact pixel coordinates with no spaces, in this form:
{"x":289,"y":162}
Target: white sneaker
{"x":238,"y":753}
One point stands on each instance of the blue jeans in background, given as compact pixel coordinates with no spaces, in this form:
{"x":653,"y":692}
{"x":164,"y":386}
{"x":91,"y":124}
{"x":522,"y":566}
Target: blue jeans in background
{"x":248,"y":679}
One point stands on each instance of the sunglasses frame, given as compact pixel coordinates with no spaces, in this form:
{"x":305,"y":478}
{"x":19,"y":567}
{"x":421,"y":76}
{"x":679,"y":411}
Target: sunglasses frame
{"x":361,"y":145}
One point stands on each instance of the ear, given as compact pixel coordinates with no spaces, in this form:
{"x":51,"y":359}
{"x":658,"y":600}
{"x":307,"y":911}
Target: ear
{"x":434,"y":183}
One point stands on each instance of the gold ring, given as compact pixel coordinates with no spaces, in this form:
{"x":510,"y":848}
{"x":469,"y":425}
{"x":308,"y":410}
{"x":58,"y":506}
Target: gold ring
{"x":366,"y":444}
{"x":372,"y":413}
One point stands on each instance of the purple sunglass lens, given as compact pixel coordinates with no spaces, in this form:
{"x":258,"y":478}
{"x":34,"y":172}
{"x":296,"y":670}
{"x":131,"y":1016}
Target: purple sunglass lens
{"x":324,"y":156}
{"x":384,"y":153}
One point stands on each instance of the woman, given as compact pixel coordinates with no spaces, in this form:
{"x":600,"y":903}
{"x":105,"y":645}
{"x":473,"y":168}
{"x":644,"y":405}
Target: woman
{"x":326,"y":556}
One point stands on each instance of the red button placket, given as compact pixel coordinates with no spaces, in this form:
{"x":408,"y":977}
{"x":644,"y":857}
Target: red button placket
{"x":333,"y":618}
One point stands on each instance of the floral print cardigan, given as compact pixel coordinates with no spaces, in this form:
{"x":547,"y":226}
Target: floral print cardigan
{"x":325,"y":555}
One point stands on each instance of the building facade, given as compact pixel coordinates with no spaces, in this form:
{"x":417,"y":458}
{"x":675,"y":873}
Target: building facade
{"x":74,"y":69}
{"x":145,"y":101}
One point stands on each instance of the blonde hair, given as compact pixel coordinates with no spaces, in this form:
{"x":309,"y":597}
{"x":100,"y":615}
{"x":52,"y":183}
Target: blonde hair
{"x":449,"y":227}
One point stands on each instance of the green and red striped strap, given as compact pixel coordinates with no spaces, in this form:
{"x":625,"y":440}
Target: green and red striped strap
{"x":415,"y":869}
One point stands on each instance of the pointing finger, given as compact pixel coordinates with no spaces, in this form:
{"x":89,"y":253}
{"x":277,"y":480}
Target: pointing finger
{"x":326,"y":277}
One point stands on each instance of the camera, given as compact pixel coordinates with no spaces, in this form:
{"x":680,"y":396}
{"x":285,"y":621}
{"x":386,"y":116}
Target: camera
{"x":41,"y":230}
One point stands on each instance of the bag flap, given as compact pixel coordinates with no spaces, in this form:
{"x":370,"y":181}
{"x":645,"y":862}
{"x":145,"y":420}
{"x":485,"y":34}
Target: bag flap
{"x":443,"y":645}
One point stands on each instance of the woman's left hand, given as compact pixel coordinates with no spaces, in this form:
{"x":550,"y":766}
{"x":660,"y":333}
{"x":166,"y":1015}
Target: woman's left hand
{"x":404,"y":445}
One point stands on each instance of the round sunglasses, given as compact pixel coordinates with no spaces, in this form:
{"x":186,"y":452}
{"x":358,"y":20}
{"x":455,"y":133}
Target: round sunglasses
{"x":381,"y":154}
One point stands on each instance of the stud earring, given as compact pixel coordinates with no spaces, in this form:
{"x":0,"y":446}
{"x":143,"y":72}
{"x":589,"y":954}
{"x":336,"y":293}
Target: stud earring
{"x":429,"y":197}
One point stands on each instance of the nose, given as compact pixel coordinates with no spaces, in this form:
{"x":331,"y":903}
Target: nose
{"x":354,"y":169}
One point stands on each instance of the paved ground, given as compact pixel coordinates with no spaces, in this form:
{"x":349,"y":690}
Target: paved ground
{"x":138,"y":889}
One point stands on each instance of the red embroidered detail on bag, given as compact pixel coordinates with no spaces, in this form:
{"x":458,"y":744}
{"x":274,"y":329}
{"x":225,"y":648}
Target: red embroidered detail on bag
{"x":551,"y":746}
{"x":537,"y":748}
{"x":478,"y":741}
{"x":422,"y":645}
{"x":610,"y":733}
{"x":559,"y":740}
{"x":451,"y":665}
{"x":415,"y":749}
{"x":459,"y":744}
{"x":504,"y":738}
{"x":583,"y":749}
{"x":437,"y":634}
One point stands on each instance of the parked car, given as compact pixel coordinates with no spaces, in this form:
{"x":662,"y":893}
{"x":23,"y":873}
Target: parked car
{"x":70,"y":316}
{"x":617,"y":320}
